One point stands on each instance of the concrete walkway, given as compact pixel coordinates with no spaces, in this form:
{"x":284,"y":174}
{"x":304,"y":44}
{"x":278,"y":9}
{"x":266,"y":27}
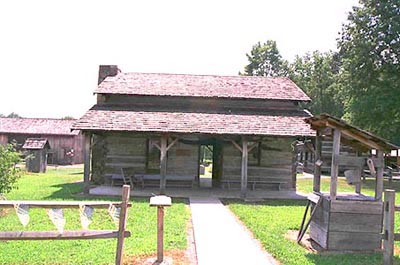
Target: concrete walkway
{"x":220,"y":238}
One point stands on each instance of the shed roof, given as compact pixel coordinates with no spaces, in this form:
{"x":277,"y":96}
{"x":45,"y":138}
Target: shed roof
{"x":36,"y":143}
{"x":351,"y":134}
{"x":208,"y":86}
{"x":42,"y":126}
{"x":140,"y":119}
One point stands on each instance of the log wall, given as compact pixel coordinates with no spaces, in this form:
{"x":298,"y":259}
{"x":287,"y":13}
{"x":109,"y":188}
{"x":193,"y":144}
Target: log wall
{"x":275,"y":163}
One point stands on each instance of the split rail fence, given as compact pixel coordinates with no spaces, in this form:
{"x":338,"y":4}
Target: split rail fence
{"x":120,"y":234}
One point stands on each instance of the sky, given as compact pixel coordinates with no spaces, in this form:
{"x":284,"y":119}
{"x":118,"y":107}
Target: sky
{"x":50,"y":50}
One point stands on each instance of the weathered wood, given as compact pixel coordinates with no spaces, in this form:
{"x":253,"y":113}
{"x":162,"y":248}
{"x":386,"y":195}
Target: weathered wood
{"x":317,"y":167}
{"x":388,"y":226}
{"x":349,"y":222}
{"x":160,"y":234}
{"x":163,"y":163}
{"x":122,"y":224}
{"x":379,"y":177}
{"x":86,"y":169}
{"x":350,"y":161}
{"x":367,"y":207}
{"x":58,"y":204}
{"x":65,"y":235}
{"x":243,"y":185}
{"x":319,"y":234}
{"x":335,"y":165}
{"x":351,"y":241}
{"x":303,"y":230}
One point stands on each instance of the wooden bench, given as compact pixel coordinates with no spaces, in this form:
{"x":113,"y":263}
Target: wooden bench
{"x":252,"y":183}
{"x":154,"y":180}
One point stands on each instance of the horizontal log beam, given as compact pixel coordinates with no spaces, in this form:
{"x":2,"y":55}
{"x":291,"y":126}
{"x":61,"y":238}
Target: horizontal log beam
{"x":59,"y":204}
{"x":66,"y":235}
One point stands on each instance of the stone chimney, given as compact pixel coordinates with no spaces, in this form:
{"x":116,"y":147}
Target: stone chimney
{"x":107,"y":70}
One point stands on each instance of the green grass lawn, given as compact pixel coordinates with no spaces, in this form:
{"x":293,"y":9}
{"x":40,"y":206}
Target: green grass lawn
{"x":271,"y":220}
{"x":64,"y":184}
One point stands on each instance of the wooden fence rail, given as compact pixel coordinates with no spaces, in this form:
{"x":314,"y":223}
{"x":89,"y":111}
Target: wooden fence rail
{"x":120,"y":234}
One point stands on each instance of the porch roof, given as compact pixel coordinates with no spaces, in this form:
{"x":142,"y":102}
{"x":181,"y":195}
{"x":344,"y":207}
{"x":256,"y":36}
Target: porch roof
{"x":206,"y":86}
{"x":117,"y":118}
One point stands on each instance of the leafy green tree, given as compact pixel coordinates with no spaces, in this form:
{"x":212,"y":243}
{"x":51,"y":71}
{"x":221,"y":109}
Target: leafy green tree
{"x":265,"y":60}
{"x":317,"y":75}
{"x":9,"y":173}
{"x":370,"y":48}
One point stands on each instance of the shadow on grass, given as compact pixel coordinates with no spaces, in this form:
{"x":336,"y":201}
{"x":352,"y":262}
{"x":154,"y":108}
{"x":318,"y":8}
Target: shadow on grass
{"x":67,"y":191}
{"x":348,"y":258}
{"x":276,"y":203}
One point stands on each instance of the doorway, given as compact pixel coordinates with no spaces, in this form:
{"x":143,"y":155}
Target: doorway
{"x":206,"y":166}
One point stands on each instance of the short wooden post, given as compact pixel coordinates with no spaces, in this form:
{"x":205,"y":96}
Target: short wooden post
{"x":86,"y":169}
{"x":388,"y":227}
{"x":379,"y":176}
{"x":122,"y":224}
{"x":160,"y":201}
{"x":335,"y":163}
{"x":318,"y":163}
{"x":243,"y":186}
{"x":163,"y":163}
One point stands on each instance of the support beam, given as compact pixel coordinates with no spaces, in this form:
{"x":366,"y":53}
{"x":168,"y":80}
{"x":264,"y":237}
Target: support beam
{"x":317,"y":165}
{"x":86,"y":156}
{"x":163,"y":163}
{"x":335,"y":163}
{"x":243,"y":186}
{"x":379,"y":176}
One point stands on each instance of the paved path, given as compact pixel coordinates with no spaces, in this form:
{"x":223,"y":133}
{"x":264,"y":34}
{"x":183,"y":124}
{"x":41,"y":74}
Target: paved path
{"x":220,"y":238}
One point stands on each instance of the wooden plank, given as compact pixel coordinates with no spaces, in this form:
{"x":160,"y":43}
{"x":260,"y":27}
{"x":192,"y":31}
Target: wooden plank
{"x":319,"y":234}
{"x":86,"y":169}
{"x":335,"y":165}
{"x":59,"y":204}
{"x":243,"y":184}
{"x":350,"y":222}
{"x":160,"y":234}
{"x":351,"y":161}
{"x":122,"y":224}
{"x":351,"y":241}
{"x":388,"y":227}
{"x":379,"y":177}
{"x":366,"y":207}
{"x":55,"y":235}
{"x":163,"y":163}
{"x":317,"y":168}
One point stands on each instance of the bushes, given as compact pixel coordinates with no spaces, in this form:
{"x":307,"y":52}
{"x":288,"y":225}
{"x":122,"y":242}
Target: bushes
{"x":9,"y":173}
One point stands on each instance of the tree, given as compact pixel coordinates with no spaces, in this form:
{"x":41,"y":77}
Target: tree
{"x":13,"y":115}
{"x":317,"y":75}
{"x":265,"y":60}
{"x":370,"y":48}
{"x":9,"y":173}
{"x":68,"y":118}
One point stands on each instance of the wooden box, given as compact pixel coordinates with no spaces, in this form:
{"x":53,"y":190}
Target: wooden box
{"x":351,"y":222}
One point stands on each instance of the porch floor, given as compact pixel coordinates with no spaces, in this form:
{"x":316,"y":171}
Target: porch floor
{"x":202,"y":192}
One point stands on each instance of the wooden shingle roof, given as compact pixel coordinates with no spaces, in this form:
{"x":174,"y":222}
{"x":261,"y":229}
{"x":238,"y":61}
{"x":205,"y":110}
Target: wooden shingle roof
{"x":138,"y":119}
{"x":37,"y":126}
{"x":36,"y":144}
{"x":208,"y":86}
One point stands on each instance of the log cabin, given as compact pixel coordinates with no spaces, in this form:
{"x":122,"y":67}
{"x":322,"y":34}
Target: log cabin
{"x":66,"y":145}
{"x":156,"y":125}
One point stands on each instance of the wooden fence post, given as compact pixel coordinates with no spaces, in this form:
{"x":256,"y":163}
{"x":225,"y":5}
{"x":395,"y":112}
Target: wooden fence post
{"x":122,"y":224}
{"x":388,"y":227}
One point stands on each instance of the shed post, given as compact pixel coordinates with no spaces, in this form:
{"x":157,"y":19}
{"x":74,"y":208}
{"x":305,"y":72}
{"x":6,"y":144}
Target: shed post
{"x":163,"y":163}
{"x":388,"y":226}
{"x":317,"y":165}
{"x":243,"y":186}
{"x":86,"y":169}
{"x":335,"y":163}
{"x":122,"y":224}
{"x":379,"y":175}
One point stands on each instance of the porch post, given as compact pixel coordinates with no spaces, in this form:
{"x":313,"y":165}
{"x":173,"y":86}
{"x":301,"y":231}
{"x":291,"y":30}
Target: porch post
{"x":335,"y":163}
{"x":379,"y":175}
{"x":243,"y":186}
{"x":317,"y":164}
{"x":163,"y":163}
{"x":86,"y":155}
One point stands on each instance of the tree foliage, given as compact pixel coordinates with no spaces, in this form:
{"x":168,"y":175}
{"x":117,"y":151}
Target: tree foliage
{"x":13,"y":115}
{"x":9,"y":173}
{"x":317,"y":75}
{"x":370,"y":49}
{"x":265,"y":60}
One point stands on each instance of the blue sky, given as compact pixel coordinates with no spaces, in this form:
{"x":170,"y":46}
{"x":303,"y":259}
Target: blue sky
{"x":50,"y":50}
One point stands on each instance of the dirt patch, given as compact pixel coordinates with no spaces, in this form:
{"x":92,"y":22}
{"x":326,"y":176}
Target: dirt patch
{"x":4,"y":212}
{"x":175,"y":257}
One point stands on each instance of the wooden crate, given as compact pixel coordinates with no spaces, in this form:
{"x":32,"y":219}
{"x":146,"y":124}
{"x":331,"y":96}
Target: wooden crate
{"x":351,"y":223}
